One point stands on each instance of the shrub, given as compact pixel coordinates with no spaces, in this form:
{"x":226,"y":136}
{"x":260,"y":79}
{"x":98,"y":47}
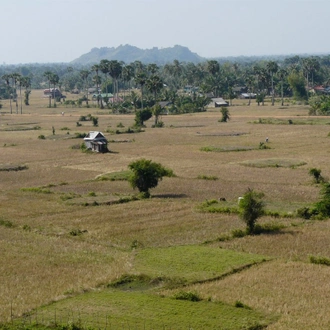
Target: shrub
{"x":319,"y":260}
{"x":239,"y":304}
{"x":238,"y":233}
{"x":187,"y":295}
{"x":41,"y":137}
{"x":207,"y":177}
{"x":6,"y":223}
{"x":225,"y":115}
{"x":316,"y":174}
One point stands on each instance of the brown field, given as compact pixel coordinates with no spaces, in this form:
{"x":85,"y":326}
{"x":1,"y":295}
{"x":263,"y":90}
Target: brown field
{"x":42,"y":262}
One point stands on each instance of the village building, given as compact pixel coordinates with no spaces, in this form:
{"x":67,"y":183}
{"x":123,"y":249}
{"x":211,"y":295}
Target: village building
{"x":218,"y":102}
{"x":96,"y":141}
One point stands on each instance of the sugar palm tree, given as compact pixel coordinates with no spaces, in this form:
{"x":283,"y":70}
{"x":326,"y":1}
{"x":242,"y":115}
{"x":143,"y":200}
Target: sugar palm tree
{"x":282,"y":74}
{"x":115,"y":69}
{"x":26,"y":83}
{"x":54,"y":80}
{"x":48,"y":75}
{"x":154,"y":85}
{"x":97,"y":80}
{"x":6,"y":78}
{"x":127,"y":74}
{"x":84,"y":76}
{"x":15,"y":78}
{"x":141,"y":79}
{"x":272,"y":68}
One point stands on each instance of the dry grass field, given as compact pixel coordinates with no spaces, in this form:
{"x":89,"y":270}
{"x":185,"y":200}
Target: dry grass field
{"x":42,"y":260}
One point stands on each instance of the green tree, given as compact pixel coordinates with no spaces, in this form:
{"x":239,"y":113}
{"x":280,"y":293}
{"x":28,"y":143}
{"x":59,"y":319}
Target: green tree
{"x":251,"y":208}
{"x":322,"y":208}
{"x":146,"y":175}
{"x":297,"y":84}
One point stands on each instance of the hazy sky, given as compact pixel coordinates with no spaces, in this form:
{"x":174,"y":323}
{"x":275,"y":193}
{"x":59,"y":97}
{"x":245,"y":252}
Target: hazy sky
{"x":60,"y":31}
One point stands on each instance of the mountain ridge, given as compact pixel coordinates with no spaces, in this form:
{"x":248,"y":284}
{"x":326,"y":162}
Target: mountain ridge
{"x":128,"y":54}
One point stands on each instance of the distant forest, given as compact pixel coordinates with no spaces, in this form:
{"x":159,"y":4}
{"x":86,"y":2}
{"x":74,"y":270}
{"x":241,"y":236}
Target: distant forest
{"x":140,"y":84}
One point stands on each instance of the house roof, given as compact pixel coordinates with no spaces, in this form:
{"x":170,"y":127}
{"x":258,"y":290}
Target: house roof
{"x":219,"y":101}
{"x":164,"y":104}
{"x":103,"y":95}
{"x":95,"y":136}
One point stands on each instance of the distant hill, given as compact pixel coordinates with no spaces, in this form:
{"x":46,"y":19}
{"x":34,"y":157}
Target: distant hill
{"x":129,"y":54}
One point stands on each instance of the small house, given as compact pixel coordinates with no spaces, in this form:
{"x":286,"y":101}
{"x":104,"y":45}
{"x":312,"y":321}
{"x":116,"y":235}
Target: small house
{"x":218,"y":102}
{"x":96,"y":141}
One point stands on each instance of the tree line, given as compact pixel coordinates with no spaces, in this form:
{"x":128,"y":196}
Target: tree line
{"x":143,"y":85}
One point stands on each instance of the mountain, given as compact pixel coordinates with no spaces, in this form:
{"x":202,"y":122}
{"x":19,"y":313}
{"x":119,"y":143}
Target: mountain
{"x":129,"y":54}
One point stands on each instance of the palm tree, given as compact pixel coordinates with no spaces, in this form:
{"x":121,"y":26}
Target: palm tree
{"x":54,"y":80}
{"x":115,"y":69}
{"x":250,"y":82}
{"x":26,"y":82}
{"x":127,"y":73}
{"x":104,"y":66}
{"x":96,"y":68}
{"x":84,"y":76}
{"x":15,"y":78}
{"x":141,"y":79}
{"x":134,"y":98}
{"x":48,"y":75}
{"x":213,"y":67}
{"x":282,"y":73}
{"x":20,"y":80}
{"x":154,"y":85}
{"x":6,"y":78}
{"x":272,"y":68}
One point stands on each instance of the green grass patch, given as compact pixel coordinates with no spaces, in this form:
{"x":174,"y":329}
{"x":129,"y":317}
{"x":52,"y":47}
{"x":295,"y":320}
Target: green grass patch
{"x":193,"y":263}
{"x":115,"y":309}
{"x":114,"y":176}
{"x":274,"y":162}
{"x":319,"y":260}
{"x":226,"y":148}
{"x":277,"y":121}
{"x":214,"y":206}
{"x":207,"y":177}
{"x":39,"y":190}
{"x":6,"y":223}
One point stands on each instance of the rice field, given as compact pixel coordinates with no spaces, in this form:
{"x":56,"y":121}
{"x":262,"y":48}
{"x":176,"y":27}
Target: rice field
{"x":63,"y":233}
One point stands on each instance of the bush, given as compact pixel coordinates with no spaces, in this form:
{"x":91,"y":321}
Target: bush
{"x":42,"y":137}
{"x":187,"y":295}
{"x":316,"y":174}
{"x":319,"y":260}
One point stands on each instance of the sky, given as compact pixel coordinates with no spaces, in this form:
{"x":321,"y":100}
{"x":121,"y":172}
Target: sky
{"x":49,"y":31}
